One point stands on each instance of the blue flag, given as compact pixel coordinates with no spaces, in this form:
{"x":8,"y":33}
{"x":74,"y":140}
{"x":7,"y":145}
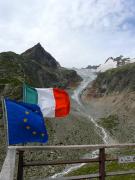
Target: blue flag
{"x":25,"y":123}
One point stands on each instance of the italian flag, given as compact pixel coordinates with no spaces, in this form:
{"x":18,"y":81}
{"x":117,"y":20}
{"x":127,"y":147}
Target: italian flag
{"x":53,"y":102}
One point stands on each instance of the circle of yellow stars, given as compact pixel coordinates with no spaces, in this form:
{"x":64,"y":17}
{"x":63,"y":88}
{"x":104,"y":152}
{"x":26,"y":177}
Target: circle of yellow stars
{"x":25,"y":120}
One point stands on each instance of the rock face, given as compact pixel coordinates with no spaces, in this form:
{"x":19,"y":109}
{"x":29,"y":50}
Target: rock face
{"x":38,"y":53}
{"x":36,"y":67}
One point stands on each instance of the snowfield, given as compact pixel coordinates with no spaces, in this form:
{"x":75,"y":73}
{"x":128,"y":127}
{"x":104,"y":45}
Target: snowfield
{"x":110,"y":64}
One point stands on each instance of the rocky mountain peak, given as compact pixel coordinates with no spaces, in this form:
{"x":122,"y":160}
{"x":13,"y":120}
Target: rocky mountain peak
{"x":110,"y":58}
{"x":39,"y":54}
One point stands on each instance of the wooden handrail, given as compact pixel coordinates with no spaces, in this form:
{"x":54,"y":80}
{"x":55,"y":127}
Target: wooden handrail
{"x":101,"y":159}
{"x":92,"y":147}
{"x":59,"y":162}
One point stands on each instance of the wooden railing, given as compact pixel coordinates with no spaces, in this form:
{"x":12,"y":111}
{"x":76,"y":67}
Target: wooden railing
{"x":101,"y":159}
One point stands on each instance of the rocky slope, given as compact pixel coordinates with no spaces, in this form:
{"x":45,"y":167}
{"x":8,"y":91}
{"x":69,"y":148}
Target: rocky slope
{"x":116,"y":80}
{"x":111,"y":100}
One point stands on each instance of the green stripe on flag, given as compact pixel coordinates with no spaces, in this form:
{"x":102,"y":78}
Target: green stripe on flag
{"x":30,"y":94}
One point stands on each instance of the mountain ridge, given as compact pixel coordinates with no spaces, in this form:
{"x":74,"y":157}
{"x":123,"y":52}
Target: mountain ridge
{"x":36,"y":67}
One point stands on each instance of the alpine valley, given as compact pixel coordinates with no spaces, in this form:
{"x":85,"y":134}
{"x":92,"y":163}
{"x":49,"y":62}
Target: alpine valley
{"x":102,"y":104}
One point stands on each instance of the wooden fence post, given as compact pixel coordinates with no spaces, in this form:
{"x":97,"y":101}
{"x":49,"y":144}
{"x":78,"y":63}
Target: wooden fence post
{"x":102,"y":164}
{"x":20,"y":166}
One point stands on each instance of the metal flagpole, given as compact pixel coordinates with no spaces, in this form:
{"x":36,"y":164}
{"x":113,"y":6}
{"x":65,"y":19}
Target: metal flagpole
{"x":5,"y":120}
{"x":24,"y":101}
{"x":24,"y":93}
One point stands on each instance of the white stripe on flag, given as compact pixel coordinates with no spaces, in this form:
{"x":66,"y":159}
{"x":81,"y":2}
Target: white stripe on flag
{"x":46,"y":101}
{"x":7,"y":171}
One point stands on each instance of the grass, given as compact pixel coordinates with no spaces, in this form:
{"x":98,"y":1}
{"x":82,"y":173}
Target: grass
{"x":110,"y":123}
{"x":110,"y":167}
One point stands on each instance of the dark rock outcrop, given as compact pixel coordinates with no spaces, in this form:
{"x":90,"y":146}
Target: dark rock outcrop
{"x":92,"y":67}
{"x":38,"y":54}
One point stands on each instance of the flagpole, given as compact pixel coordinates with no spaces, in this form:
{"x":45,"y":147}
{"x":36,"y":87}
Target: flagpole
{"x":5,"y":122}
{"x":3,"y":119}
{"x":24,"y":101}
{"x":24,"y":92}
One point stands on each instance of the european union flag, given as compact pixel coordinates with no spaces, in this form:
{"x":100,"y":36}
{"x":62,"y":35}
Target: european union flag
{"x":25,"y":123}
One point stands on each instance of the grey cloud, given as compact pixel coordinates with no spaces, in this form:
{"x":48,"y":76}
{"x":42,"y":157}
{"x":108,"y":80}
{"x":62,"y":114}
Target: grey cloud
{"x":76,"y":32}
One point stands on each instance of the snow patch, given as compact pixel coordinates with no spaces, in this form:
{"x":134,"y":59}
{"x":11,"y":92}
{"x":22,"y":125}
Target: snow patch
{"x":109,"y":64}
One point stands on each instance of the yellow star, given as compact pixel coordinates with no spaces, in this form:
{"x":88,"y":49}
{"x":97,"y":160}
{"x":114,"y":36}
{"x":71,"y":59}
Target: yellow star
{"x":27,"y":112}
{"x":34,"y":132}
{"x":42,"y":134}
{"x":25,"y":120}
{"x":28,"y":127}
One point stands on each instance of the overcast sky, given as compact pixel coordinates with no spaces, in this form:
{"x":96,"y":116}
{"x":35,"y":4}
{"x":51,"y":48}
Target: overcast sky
{"x":77,"y":33}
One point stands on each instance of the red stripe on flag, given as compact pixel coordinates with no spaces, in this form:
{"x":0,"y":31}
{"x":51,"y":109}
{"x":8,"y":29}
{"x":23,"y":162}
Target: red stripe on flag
{"x":62,"y":101}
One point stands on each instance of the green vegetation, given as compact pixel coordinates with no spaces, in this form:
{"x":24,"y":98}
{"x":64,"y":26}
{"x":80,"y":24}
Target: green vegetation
{"x":110,"y":167}
{"x":116,"y":80}
{"x":110,"y":123}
